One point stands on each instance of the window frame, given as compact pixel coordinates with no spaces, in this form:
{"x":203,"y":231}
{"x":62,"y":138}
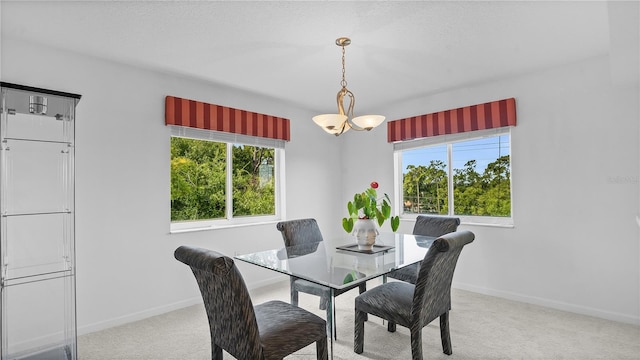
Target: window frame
{"x":449,"y":140}
{"x":231,"y":139}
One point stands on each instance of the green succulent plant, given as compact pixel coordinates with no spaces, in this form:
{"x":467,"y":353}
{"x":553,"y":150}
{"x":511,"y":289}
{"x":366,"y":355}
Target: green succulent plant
{"x":366,"y":205}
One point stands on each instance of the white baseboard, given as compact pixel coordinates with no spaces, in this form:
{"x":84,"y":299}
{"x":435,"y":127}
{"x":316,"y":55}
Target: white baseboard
{"x":279,"y":280}
{"x":558,"y":305}
{"x":86,"y":329}
{"x":102,"y":325}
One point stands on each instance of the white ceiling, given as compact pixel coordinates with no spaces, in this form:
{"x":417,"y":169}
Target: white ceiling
{"x":286,"y":49}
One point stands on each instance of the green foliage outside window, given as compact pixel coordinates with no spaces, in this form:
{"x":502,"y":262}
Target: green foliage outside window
{"x":486,"y":194}
{"x":253,"y":181}
{"x":426,"y":189}
{"x":198,"y":180}
{"x":483,"y":194}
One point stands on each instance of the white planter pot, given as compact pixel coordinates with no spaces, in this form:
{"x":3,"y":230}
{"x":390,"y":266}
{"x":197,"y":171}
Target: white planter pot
{"x":365,"y":232}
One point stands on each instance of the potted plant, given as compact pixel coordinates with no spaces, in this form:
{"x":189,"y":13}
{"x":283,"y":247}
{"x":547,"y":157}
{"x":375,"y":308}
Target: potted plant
{"x":363,"y":211}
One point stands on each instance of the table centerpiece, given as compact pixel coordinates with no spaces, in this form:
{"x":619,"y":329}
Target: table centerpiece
{"x":363,"y":210}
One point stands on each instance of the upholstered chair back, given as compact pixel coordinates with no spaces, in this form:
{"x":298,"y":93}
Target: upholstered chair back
{"x":432,"y":294}
{"x":232,"y":320}
{"x":299,"y":232}
{"x":435,"y":225}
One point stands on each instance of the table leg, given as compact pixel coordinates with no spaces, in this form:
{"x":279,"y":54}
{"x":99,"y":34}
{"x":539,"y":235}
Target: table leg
{"x":384,"y":281}
{"x":331,"y":327}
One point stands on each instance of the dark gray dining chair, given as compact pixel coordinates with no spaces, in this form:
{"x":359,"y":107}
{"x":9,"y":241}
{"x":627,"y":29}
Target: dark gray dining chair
{"x":271,"y":330}
{"x":306,"y":232}
{"x":429,"y":226}
{"x":415,"y":306}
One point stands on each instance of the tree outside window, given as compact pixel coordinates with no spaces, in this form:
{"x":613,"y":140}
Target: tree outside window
{"x":199,"y":180}
{"x":480,"y":171}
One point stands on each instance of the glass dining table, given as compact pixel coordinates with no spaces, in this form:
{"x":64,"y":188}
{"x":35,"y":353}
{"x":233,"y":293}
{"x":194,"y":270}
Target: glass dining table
{"x":338,"y":263}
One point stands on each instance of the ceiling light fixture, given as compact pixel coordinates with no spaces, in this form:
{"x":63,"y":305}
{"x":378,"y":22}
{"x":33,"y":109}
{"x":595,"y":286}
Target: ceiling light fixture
{"x":337,"y":124}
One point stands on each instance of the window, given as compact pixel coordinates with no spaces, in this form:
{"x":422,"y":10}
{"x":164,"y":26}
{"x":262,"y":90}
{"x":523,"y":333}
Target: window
{"x":220,"y":179}
{"x":466,"y":175}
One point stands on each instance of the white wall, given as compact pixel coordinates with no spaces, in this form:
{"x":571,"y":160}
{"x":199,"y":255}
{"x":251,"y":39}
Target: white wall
{"x":125,"y":264}
{"x":575,"y":191}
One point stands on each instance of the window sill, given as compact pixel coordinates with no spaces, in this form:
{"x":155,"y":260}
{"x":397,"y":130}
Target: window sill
{"x":505,"y":226}
{"x":220,"y":227}
{"x":496,"y":222}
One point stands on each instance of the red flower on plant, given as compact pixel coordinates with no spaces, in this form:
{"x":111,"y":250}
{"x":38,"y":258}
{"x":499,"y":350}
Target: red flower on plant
{"x":374,"y":185}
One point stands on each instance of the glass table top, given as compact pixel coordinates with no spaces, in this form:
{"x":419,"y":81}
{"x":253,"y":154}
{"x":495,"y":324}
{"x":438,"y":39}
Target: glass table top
{"x":326,"y":264}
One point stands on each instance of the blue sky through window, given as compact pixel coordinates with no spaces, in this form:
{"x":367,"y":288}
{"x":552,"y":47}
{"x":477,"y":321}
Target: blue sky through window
{"x":484,"y":151}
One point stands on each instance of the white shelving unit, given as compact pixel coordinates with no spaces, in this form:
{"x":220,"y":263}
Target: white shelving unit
{"x":37,"y":230}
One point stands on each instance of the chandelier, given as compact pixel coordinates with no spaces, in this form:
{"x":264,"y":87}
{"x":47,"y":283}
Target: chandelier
{"x":337,"y":124}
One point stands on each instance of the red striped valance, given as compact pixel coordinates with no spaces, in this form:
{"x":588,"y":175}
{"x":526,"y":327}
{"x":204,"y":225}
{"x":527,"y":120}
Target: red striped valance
{"x":196,"y":114}
{"x":489,"y":115}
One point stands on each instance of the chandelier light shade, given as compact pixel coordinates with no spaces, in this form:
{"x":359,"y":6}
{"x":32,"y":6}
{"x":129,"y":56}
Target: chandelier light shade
{"x":337,"y":124}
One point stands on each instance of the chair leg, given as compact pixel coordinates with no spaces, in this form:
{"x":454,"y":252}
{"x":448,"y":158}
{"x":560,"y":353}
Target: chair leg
{"x":363,"y":288}
{"x":324,"y":299}
{"x":416,"y":342}
{"x":294,"y":293}
{"x":358,"y":332}
{"x":216,"y":352}
{"x":391,"y":326}
{"x":444,"y":334}
{"x":322,"y":352}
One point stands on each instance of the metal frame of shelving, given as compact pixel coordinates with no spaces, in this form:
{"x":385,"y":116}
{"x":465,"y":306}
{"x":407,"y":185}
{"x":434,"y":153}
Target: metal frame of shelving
{"x":37,"y":224}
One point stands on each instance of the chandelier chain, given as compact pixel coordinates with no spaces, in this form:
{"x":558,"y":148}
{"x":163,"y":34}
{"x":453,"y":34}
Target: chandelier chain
{"x":344,"y":81}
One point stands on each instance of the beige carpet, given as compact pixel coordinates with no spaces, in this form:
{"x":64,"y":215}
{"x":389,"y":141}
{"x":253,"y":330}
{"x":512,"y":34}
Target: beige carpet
{"x":482,"y":327}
